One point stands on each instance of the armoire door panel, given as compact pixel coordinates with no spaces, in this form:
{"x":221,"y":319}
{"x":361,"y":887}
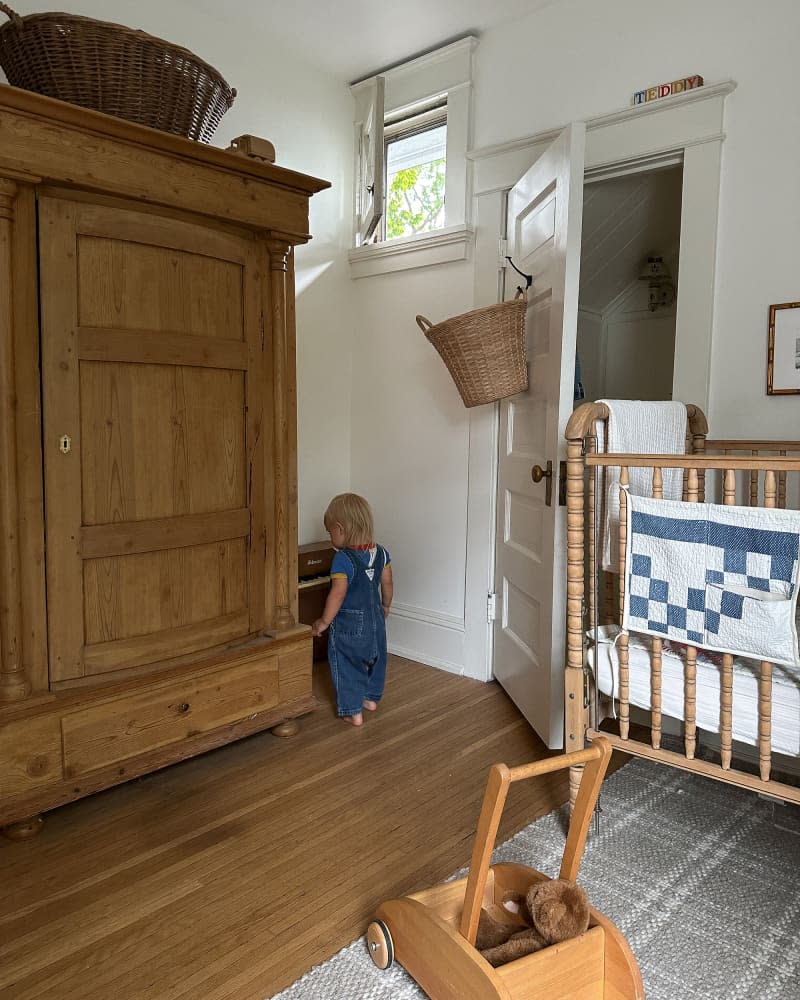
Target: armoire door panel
{"x":150,"y":434}
{"x":152,"y":367}
{"x":127,"y":596}
{"x":141,"y":650}
{"x":146,"y":287}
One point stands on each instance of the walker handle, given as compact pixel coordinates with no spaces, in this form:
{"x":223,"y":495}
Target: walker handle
{"x":596,"y":757}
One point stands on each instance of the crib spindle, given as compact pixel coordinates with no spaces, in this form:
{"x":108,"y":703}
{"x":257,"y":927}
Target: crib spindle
{"x":624,"y":677}
{"x":726,"y":674}
{"x":765,"y":720}
{"x":725,"y":710}
{"x":770,"y":489}
{"x":729,"y":487}
{"x":655,"y":693}
{"x":656,"y":646}
{"x":658,"y":483}
{"x":693,"y":488}
{"x":690,"y":702}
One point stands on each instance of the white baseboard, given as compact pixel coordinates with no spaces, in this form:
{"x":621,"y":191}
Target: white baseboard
{"x":428,"y":637}
{"x":429,"y":661}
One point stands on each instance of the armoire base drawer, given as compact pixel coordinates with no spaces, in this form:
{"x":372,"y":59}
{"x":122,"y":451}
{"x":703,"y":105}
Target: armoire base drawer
{"x":115,"y":731}
{"x":60,"y":747}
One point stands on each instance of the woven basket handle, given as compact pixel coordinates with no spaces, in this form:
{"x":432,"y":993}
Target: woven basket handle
{"x":12,"y":15}
{"x":424,"y":324}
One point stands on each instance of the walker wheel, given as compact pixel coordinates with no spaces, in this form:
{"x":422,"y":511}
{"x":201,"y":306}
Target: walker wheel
{"x":379,"y":942}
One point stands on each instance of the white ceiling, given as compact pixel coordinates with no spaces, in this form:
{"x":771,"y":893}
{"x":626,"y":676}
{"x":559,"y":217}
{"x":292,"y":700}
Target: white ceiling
{"x":352,"y":39}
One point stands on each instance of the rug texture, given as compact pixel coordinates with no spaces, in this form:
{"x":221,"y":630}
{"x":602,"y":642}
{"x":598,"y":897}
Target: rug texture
{"x":702,"y":879}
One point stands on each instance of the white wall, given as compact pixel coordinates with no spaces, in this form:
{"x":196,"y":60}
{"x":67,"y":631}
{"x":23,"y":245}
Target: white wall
{"x":591,"y":351}
{"x":308,"y":116}
{"x":632,"y":357}
{"x":411,"y":453}
{"x":579,"y":59}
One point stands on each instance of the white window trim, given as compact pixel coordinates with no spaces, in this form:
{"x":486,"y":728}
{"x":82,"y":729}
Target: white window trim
{"x":404,"y":252}
{"x":445,"y":71}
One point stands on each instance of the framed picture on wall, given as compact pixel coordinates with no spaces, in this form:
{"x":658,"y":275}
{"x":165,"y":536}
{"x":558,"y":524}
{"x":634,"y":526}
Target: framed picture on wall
{"x":783,"y":351}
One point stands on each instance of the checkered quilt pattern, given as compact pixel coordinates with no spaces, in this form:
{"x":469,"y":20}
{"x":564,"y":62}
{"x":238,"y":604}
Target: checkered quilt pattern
{"x":723,"y":578}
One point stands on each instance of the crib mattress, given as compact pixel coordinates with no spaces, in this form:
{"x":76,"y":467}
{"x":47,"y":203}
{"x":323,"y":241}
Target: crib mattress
{"x":785,"y":689}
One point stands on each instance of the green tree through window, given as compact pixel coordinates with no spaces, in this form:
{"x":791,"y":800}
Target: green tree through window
{"x":415,"y":199}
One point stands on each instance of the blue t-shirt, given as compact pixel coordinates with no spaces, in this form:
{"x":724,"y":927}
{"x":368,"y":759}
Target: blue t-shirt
{"x":342,"y":567}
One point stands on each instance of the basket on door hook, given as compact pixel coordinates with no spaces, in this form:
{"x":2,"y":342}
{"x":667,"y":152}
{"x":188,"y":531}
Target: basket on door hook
{"x":484,"y":350}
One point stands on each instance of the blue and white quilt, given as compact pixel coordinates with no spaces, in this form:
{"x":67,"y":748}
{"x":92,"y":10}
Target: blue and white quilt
{"x":718,"y":577}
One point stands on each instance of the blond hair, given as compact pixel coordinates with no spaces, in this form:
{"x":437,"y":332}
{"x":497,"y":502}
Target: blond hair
{"x":355,"y":516}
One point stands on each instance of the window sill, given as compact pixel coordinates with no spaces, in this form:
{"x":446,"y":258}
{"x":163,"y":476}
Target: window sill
{"x":423,"y":250}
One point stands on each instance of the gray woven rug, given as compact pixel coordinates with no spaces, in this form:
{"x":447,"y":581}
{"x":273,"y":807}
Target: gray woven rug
{"x":702,"y":879}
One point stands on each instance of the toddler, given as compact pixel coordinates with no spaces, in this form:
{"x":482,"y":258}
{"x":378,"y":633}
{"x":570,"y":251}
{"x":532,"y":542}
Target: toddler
{"x":356,"y":608}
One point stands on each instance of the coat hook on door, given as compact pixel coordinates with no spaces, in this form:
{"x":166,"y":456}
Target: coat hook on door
{"x":528,"y":277}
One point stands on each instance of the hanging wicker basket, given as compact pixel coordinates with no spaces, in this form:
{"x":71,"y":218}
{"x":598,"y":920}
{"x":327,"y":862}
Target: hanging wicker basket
{"x":484,"y":350}
{"x":114,"y":69}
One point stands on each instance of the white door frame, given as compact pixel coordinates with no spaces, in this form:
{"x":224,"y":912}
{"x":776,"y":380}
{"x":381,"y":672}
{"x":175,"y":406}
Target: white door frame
{"x":688,"y":125}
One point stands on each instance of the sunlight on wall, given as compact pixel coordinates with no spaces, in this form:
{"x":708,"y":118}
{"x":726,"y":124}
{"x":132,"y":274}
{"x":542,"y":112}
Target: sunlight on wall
{"x":304,"y":277}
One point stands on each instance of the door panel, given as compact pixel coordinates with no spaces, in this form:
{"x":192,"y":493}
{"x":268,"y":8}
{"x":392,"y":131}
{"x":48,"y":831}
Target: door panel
{"x":126,"y":596}
{"x":184,"y":420}
{"x":543,"y":229}
{"x":151,"y":360}
{"x":157,"y":288}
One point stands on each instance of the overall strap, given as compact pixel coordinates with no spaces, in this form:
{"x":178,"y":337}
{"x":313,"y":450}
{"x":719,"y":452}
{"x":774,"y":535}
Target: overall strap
{"x":360,"y":565}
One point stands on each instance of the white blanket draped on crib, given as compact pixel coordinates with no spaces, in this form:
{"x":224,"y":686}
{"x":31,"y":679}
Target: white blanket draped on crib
{"x":639,"y":427}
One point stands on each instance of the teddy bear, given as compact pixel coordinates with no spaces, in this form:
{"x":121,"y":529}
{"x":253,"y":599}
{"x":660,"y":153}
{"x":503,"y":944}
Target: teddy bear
{"x":551,"y":911}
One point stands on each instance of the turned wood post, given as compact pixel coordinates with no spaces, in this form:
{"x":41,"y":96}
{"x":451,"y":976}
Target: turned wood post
{"x":14,"y":685}
{"x":279,"y":248}
{"x":575,"y":719}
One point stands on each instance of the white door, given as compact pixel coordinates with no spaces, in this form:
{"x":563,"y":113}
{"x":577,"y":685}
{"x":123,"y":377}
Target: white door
{"x":544,"y":237}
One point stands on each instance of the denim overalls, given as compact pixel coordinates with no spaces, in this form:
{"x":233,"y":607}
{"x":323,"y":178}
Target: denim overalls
{"x":357,"y":638}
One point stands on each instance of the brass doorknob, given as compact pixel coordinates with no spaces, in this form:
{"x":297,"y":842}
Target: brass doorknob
{"x":538,"y":473}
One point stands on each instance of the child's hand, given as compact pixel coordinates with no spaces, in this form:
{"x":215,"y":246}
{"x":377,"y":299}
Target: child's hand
{"x":318,"y":627}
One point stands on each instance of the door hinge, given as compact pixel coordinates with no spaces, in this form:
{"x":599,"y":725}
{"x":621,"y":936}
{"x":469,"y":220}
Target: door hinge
{"x":502,"y":249}
{"x":491,"y":607}
{"x":261,"y":319}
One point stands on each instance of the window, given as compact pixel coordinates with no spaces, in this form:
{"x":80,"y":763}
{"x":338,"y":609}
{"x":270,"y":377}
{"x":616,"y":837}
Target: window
{"x":411,"y":190}
{"x":415,"y":156}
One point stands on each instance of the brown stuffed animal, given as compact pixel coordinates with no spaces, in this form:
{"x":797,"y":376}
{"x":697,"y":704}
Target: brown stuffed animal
{"x":551,"y":911}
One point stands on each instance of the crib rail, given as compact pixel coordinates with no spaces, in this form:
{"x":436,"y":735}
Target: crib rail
{"x":760,"y":448}
{"x":754,"y":473}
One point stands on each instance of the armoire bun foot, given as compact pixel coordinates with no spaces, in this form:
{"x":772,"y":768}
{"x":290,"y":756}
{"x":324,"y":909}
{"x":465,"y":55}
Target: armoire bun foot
{"x":286,"y":729}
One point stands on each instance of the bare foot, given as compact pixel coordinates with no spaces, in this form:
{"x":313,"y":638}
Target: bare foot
{"x":370,"y":705}
{"x":353,"y":720}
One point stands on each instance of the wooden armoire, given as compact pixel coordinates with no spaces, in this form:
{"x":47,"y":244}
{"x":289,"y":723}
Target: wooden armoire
{"x":148,"y":486}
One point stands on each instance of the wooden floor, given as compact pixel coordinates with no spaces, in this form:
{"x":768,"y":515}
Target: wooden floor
{"x":232,"y":874}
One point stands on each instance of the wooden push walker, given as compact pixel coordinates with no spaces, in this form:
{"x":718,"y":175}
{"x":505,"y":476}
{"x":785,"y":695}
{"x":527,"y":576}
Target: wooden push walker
{"x":432,"y":933}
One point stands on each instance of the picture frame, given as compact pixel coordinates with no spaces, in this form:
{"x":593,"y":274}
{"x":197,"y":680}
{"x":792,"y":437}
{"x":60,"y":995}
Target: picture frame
{"x":783,"y":350}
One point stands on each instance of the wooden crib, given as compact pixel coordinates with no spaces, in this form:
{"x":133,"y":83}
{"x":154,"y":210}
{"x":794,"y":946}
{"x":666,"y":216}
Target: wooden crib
{"x":662,"y":695}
